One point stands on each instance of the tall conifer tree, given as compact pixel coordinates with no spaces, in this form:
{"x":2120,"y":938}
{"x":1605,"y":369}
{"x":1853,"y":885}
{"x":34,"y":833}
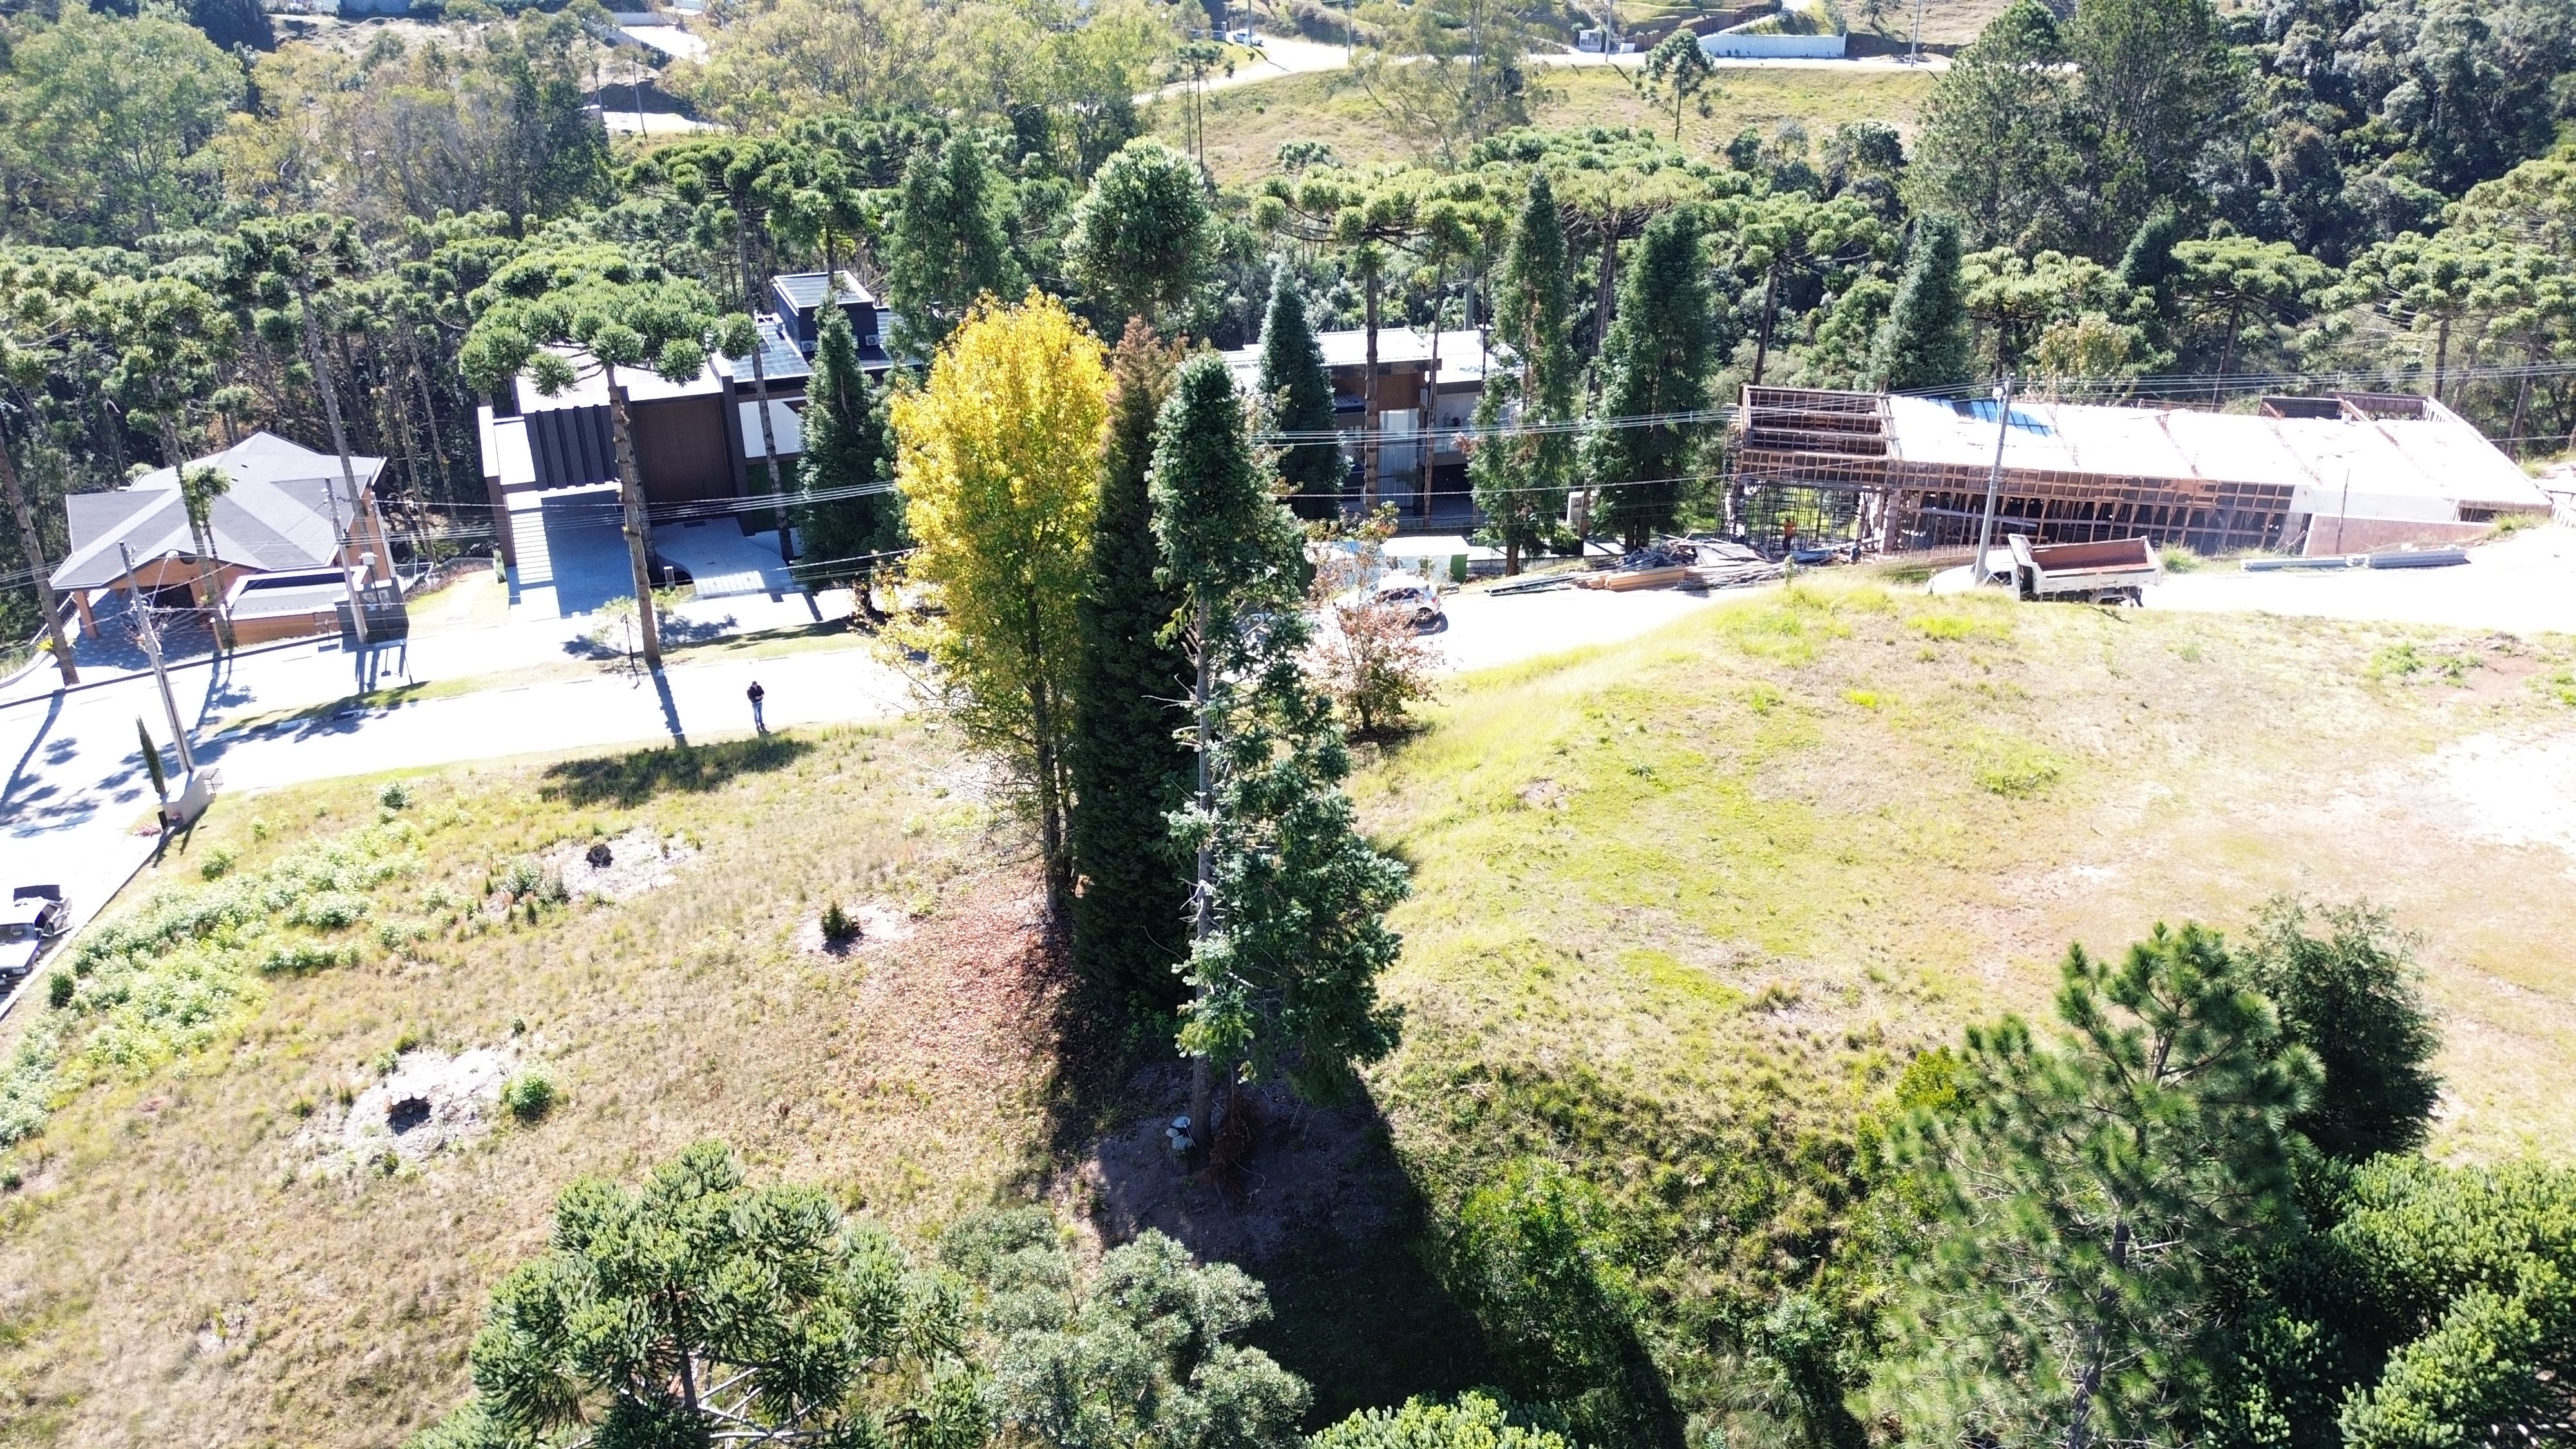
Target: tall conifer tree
{"x":846,"y":448}
{"x":1130,"y":771}
{"x":1656,"y":365}
{"x":1520,"y":478}
{"x":1288,"y":903}
{"x":1292,"y":373}
{"x":949,"y":245}
{"x":1924,"y":342}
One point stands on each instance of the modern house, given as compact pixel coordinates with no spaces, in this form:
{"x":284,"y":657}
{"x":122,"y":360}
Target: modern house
{"x":2314,"y":475}
{"x":697,"y":443}
{"x":289,"y":538}
{"x":1419,"y":374}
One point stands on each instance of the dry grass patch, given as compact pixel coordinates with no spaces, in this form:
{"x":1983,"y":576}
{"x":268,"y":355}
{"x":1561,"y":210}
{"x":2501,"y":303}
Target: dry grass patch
{"x":174,"y":1267}
{"x":1247,"y":125}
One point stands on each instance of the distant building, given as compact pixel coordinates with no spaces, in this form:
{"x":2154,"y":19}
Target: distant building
{"x":1443,"y":373}
{"x":696,"y":442}
{"x":2339,"y":474}
{"x":276,"y":571}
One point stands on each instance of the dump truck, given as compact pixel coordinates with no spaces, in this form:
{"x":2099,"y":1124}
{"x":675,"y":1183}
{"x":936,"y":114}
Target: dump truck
{"x":2116,"y":571}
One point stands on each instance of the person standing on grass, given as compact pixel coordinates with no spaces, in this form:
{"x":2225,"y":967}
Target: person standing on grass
{"x":756,"y":694}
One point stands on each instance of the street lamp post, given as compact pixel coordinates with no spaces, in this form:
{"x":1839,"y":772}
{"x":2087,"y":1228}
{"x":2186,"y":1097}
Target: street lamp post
{"x":1994,"y":475}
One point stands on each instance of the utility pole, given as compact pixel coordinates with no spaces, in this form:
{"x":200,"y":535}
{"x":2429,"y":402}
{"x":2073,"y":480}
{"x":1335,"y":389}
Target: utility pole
{"x":1914,"y":52}
{"x":1995,"y":474}
{"x":151,"y":638}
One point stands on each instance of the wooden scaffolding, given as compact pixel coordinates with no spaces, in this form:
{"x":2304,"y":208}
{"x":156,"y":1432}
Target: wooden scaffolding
{"x":1832,"y":442}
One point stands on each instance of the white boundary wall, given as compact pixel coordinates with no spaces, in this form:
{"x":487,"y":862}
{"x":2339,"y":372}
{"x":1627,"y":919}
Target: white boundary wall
{"x":1728,"y":45}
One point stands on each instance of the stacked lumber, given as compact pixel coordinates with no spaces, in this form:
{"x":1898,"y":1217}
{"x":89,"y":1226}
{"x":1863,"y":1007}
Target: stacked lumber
{"x":1620,"y":581}
{"x":1732,"y":575}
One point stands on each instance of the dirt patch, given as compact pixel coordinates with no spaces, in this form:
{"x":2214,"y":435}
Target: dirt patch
{"x":2511,"y":792}
{"x":622,"y":867}
{"x":1307,"y":1170}
{"x":878,"y":925}
{"x":429,"y":1101}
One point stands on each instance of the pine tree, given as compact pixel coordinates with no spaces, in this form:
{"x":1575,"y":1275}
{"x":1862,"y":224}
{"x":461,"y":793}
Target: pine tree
{"x":698,"y":1306}
{"x":1924,"y":342}
{"x":1520,"y":478}
{"x":1656,"y":364}
{"x":1130,"y":771}
{"x":949,"y":245}
{"x":1292,"y":373}
{"x":2083,"y":1195}
{"x":846,"y":448}
{"x":1288,"y":901}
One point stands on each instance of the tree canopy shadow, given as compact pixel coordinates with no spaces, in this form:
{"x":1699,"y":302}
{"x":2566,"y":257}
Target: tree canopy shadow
{"x":637,"y":776}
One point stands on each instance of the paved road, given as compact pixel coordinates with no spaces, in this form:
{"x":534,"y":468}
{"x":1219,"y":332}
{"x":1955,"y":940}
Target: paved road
{"x":2525,"y":584}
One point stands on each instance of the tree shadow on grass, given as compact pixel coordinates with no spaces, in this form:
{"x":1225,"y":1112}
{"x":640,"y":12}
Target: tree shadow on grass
{"x":640,"y":775}
{"x":1323,"y":1213}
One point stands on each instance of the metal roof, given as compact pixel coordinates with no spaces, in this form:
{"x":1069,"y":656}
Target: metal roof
{"x":2389,"y":467}
{"x":804,"y":290}
{"x":276,"y":514}
{"x":1462,"y":352}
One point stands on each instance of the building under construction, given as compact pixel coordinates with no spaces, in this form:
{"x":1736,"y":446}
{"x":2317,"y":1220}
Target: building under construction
{"x":2301,"y":474}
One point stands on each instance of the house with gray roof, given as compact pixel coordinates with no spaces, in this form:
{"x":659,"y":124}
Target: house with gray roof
{"x":287,"y":525}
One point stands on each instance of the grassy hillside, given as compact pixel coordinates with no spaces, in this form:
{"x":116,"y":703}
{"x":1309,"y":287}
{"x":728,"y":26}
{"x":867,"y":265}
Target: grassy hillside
{"x":186,"y":1254}
{"x":1683,"y":910}
{"x":1246,"y":126}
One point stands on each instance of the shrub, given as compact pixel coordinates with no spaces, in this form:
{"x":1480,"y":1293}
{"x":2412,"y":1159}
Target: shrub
{"x":329,"y":910}
{"x":395,"y":796}
{"x":296,"y":958}
{"x":528,"y":1096}
{"x":59,"y":988}
{"x":838,"y":925}
{"x":217,"y":864}
{"x":2016,"y":768}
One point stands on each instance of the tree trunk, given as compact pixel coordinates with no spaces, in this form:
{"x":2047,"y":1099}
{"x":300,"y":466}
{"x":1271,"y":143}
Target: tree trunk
{"x":1601,"y":303}
{"x":33,"y":545}
{"x":1770,"y":313}
{"x":2522,"y":394}
{"x":639,"y":537}
{"x":1368,"y":406}
{"x":1056,"y":862}
{"x":2088,"y":1380}
{"x":2441,"y":355}
{"x":2227,"y":349}
{"x":760,"y":388}
{"x":340,"y":443}
{"x":1203,"y":892}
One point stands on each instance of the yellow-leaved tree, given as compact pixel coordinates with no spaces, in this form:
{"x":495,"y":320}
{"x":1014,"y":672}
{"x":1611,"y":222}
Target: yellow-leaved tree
{"x":998,"y":458}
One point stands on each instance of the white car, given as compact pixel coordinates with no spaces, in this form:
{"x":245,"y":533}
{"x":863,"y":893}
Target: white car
{"x":1246,"y":37}
{"x":1418,"y":601}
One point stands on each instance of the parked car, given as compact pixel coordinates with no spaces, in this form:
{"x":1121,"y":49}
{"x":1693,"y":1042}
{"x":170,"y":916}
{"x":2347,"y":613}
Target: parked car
{"x":1250,"y":38}
{"x":34,"y":916}
{"x":1410,"y":596}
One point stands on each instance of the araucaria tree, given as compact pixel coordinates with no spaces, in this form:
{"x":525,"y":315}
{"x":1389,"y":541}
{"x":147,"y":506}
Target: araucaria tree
{"x":948,"y":246}
{"x":1655,"y":367}
{"x":998,"y":457}
{"x":1142,"y":238}
{"x":1300,"y":392}
{"x":845,"y":511}
{"x":697,"y":1309}
{"x":1288,"y":902}
{"x":1129,"y":770}
{"x":1520,"y":472}
{"x":2081,"y":1196}
{"x":1924,"y":342}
